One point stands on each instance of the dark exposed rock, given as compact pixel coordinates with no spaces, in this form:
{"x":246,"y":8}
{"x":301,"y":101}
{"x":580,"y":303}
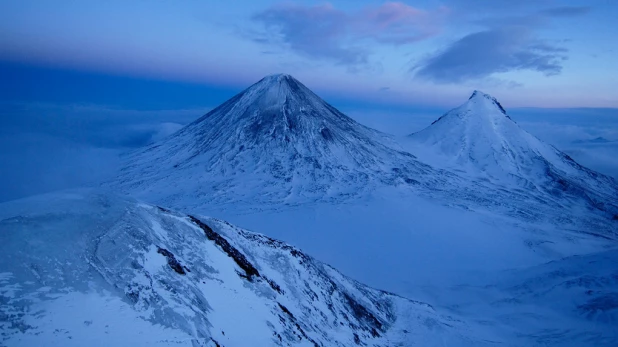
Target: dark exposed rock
{"x":411,"y":181}
{"x":363,"y":315}
{"x":274,"y":286}
{"x":298,"y":327}
{"x":163,"y":209}
{"x":326,"y":134}
{"x":171,"y":261}
{"x":230,"y":250}
{"x":285,"y":310}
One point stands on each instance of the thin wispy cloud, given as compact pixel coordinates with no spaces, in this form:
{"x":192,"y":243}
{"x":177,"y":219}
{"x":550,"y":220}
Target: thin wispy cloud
{"x":397,"y":23}
{"x":315,"y":31}
{"x":326,"y":32}
{"x":482,"y":54}
{"x":566,"y":11}
{"x":501,"y":43}
{"x":505,"y":44}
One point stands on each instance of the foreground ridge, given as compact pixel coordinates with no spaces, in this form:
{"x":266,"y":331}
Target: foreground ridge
{"x":143,"y":275}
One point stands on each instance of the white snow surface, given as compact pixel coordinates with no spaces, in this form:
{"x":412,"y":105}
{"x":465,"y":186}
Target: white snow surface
{"x":510,"y":240}
{"x":458,"y":261}
{"x":479,"y":140}
{"x":82,"y":268}
{"x":274,"y":142}
{"x":277,"y":144}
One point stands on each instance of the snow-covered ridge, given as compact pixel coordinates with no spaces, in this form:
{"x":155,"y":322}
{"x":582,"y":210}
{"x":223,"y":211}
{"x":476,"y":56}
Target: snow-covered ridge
{"x":100,"y":270}
{"x":276,"y":142}
{"x":480,"y":140}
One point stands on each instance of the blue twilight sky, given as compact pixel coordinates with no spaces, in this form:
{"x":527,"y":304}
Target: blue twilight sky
{"x":83,"y":81}
{"x":533,"y":53}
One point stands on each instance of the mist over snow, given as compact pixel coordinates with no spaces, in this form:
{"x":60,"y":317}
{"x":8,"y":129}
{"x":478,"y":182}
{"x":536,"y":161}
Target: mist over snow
{"x":45,"y":147}
{"x":572,"y":131}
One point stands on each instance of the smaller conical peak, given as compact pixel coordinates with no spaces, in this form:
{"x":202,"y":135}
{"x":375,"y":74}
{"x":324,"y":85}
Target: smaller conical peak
{"x":479,"y":96}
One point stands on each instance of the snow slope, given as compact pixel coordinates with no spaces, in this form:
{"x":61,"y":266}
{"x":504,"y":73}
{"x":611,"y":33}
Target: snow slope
{"x":479,"y":139}
{"x":346,"y":193}
{"x":277,"y":145}
{"x":85,"y":268}
{"x":274,"y":142}
{"x":567,"y":302}
{"x":464,"y":262}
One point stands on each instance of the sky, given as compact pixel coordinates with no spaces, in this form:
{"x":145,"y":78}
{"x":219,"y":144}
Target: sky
{"x":528,"y":53}
{"x":84,"y":81}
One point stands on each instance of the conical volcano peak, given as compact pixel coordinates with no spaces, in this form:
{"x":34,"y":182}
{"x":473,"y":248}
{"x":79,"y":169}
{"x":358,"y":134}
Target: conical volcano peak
{"x":480,"y":94}
{"x":485,"y":99}
{"x":276,"y":108}
{"x":278,"y":78}
{"x":274,"y":141}
{"x":275,"y":90}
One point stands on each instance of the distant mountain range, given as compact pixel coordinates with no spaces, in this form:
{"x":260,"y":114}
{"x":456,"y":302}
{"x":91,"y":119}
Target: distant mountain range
{"x":278,"y":144}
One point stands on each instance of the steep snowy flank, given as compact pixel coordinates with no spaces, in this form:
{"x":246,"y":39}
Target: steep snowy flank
{"x":480,"y":139}
{"x":88,"y":269}
{"x":275,"y":141}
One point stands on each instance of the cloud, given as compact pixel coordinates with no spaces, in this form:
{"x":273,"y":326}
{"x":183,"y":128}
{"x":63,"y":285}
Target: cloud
{"x":45,"y":147}
{"x":96,"y":126}
{"x":314,"y":31}
{"x":570,"y":130}
{"x":163,"y":130}
{"x":482,"y":54}
{"x":566,"y":11}
{"x":325,"y":32}
{"x":505,"y":42}
{"x":397,"y":23}
{"x":508,"y":41}
{"x":37,"y":163}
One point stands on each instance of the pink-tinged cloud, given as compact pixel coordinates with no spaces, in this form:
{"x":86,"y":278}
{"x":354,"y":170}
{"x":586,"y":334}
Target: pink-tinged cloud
{"x":398,"y":23}
{"x":323,"y":31}
{"x":313,"y":31}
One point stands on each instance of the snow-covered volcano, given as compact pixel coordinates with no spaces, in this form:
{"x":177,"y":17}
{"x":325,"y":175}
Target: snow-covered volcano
{"x":90,"y":269}
{"x":275,"y":141}
{"x":480,"y":139}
